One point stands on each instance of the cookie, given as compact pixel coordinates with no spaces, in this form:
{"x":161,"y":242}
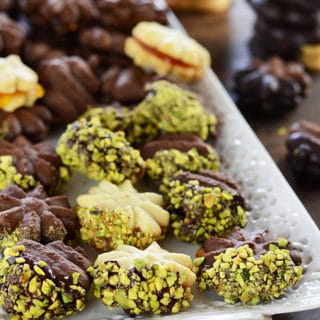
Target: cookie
{"x":271,"y":87}
{"x":113,"y":215}
{"x":303,"y":145}
{"x":19,"y":85}
{"x":28,"y":165}
{"x":203,"y":204}
{"x":310,"y":56}
{"x":273,"y":12}
{"x":212,"y":6}
{"x":124,"y":15}
{"x":244,"y":267}
{"x":167,"y":51}
{"x":43,"y":281}
{"x":35,"y":216}
{"x":143,"y":281}
{"x":12,"y":35}
{"x":105,"y":155}
{"x":70,"y":87}
{"x":171,"y":153}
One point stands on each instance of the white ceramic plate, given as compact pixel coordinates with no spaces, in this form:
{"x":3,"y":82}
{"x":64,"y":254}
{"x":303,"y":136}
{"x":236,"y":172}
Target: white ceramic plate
{"x":274,"y":206}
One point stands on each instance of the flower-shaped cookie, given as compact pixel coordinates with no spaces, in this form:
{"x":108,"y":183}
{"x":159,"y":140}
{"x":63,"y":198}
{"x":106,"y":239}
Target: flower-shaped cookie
{"x":143,"y":281}
{"x":43,"y":281}
{"x":111,"y":215}
{"x":33,"y":215}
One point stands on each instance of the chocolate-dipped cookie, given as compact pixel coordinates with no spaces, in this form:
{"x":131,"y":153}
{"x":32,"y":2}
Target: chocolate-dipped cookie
{"x":12,"y":35}
{"x":62,"y":16}
{"x":173,"y":152}
{"x":43,"y":281}
{"x":104,"y":154}
{"x":303,"y":148}
{"x":35,"y":216}
{"x":27,"y":165}
{"x":203,"y":204}
{"x":273,"y":12}
{"x":123,"y":15}
{"x":244,"y":267}
{"x":70,"y":87}
{"x":146,"y":281}
{"x":271,"y":87}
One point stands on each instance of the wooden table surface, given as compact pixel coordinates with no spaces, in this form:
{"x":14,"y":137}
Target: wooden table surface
{"x":226,"y":37}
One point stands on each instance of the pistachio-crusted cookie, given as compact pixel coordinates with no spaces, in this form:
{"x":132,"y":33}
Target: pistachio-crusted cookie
{"x":247,"y":267}
{"x":28,"y":165}
{"x":33,"y":215}
{"x":168,"y":108}
{"x":112,"y":215}
{"x":99,"y":153}
{"x":150,"y":281}
{"x":173,"y":152}
{"x":203,"y":204}
{"x":43,"y":282}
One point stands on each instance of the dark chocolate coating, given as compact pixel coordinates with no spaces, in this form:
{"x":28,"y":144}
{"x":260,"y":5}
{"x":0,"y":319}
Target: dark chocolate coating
{"x":271,"y":87}
{"x":285,"y":15}
{"x":12,"y":35}
{"x":123,"y":15}
{"x":61,"y":16}
{"x":36,"y":216}
{"x":259,"y":242}
{"x":39,"y":160}
{"x":303,"y":149}
{"x":182,"y":142}
{"x":70,"y":87}
{"x":303,"y":5}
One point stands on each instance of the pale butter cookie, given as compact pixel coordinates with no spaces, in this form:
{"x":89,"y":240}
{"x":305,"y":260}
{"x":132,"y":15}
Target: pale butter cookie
{"x":167,"y":51}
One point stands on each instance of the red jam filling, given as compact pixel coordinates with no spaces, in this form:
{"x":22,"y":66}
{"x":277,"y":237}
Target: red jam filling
{"x":163,"y":56}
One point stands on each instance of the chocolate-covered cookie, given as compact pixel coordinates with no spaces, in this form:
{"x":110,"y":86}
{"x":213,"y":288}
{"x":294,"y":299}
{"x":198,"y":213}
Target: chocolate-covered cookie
{"x":303,"y":148}
{"x":203,"y":204}
{"x":33,"y":123}
{"x":306,"y":6}
{"x":243,"y":267}
{"x":123,"y":15}
{"x":12,"y":35}
{"x":285,"y":15}
{"x":70,"y":87}
{"x":43,"y":281}
{"x":62,"y":16}
{"x":33,"y":215}
{"x":27,"y":165}
{"x":271,"y":86}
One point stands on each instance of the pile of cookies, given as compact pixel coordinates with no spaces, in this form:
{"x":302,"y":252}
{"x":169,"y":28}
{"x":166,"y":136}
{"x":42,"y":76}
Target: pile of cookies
{"x":289,"y":29}
{"x":164,"y":138}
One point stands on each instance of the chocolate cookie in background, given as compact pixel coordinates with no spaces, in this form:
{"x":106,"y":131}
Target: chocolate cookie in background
{"x":303,"y":149}
{"x":123,"y":15}
{"x":70,"y":87}
{"x":12,"y":35}
{"x":271,"y":87}
{"x":60,"y":16}
{"x":286,"y":28}
{"x":28,"y":165}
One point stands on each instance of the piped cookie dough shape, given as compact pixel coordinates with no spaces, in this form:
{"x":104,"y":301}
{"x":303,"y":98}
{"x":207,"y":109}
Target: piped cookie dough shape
{"x":112,"y":215}
{"x":143,"y":281}
{"x":167,"y":51}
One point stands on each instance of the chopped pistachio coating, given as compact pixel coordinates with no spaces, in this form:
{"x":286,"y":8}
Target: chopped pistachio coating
{"x":166,"y":163}
{"x":143,"y":281}
{"x":168,"y":108}
{"x":99,"y":153}
{"x":110,"y":117}
{"x":239,"y":275}
{"x":199,"y":212}
{"x":9,"y":175}
{"x":112,"y":215}
{"x":28,"y":289}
